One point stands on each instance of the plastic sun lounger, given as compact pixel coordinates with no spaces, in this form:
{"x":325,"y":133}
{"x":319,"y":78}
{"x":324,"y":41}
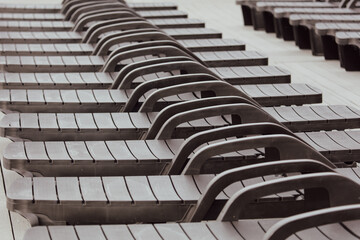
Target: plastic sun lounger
{"x":66,"y":14}
{"x":267,"y":10}
{"x":117,"y":125}
{"x":250,"y":16}
{"x":304,"y":28}
{"x":131,"y":199}
{"x":83,"y":22}
{"x":163,"y":155}
{"x":327,"y":33}
{"x":335,"y":223}
{"x":56,"y":8}
{"x":348,"y":45}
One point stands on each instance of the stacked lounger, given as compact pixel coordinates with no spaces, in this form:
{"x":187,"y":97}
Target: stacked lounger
{"x":314,"y":25}
{"x":153,"y":121}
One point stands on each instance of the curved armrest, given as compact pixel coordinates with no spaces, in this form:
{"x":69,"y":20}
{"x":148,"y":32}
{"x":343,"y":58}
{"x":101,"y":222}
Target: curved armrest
{"x":288,"y":147}
{"x":218,"y":88}
{"x":76,"y":3}
{"x":103,"y":24}
{"x":340,"y":191}
{"x":121,"y":25}
{"x":343,"y":3}
{"x":111,"y":63}
{"x":92,"y":9}
{"x":160,"y":83}
{"x":136,"y":65}
{"x":80,"y":24}
{"x":193,"y":142}
{"x":351,"y":4}
{"x":187,"y":67}
{"x":164,"y":115}
{"x":104,"y":44}
{"x":248,"y":113}
{"x":290,"y":225}
{"x":226,"y":178}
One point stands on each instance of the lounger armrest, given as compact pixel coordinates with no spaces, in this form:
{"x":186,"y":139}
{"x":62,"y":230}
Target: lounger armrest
{"x":351,"y":4}
{"x":288,"y":226}
{"x":80,"y":24}
{"x":135,"y":24}
{"x":287,"y":147}
{"x":226,"y":178}
{"x":140,"y":90}
{"x":126,"y":77}
{"x":340,"y":190}
{"x":343,"y":3}
{"x":111,"y":63}
{"x":216,"y":87}
{"x":75,"y":4}
{"x":104,"y":44}
{"x":167,"y":120}
{"x":95,"y":8}
{"x":193,"y":142}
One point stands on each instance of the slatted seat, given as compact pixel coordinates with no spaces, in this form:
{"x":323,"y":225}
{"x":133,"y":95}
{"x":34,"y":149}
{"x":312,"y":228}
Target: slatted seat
{"x":303,"y":27}
{"x":74,"y":37}
{"x":349,"y":53}
{"x":233,"y":75}
{"x":302,"y":118}
{"x":87,"y":49}
{"x":113,"y":158}
{"x":102,"y":100}
{"x":95,"y":63}
{"x":168,"y":198}
{"x":241,"y":229}
{"x":55,"y":8}
{"x":327,"y":32}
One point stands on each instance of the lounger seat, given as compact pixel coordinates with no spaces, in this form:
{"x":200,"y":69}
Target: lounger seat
{"x":55,"y":8}
{"x":96,"y":80}
{"x":94,"y":200}
{"x":95,"y":63}
{"x":114,"y":158}
{"x":195,"y":45}
{"x":113,"y":126}
{"x":112,"y":100}
{"x":304,"y":32}
{"x":349,"y":53}
{"x":327,"y":32}
{"x":242,"y":229}
{"x":75,"y":37}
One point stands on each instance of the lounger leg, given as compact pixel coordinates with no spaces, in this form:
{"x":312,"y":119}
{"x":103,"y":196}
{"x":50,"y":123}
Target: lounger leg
{"x":246,"y":15}
{"x":286,"y":29}
{"x":329,"y":47}
{"x":316,"y":43}
{"x":303,"y":37}
{"x":257,"y":19}
{"x":277,"y":27}
{"x":268,"y":22}
{"x":349,"y":57}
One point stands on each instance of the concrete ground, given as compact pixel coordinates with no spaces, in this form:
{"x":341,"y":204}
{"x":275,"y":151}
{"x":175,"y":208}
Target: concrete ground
{"x":338,"y":86}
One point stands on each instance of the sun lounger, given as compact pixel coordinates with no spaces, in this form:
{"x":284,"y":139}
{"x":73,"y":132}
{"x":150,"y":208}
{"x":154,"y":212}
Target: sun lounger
{"x":304,"y":31}
{"x":250,"y":16}
{"x":163,"y":156}
{"x":56,"y":8}
{"x":267,"y":10}
{"x":348,"y":45}
{"x":168,"y":198}
{"x":336,"y":223}
{"x":327,"y":32}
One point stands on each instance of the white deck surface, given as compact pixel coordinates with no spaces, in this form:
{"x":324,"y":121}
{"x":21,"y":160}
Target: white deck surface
{"x":338,"y":86}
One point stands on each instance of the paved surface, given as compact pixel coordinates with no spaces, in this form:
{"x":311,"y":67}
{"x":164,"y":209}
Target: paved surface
{"x":338,"y":86}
